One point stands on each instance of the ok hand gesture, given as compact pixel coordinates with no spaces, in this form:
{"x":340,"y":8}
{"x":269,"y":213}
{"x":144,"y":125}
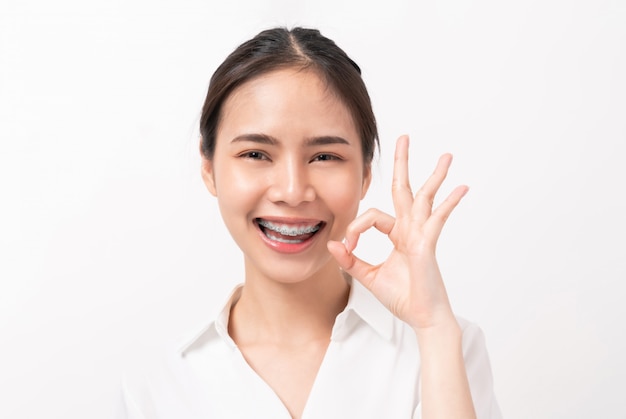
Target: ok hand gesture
{"x":409,"y":282}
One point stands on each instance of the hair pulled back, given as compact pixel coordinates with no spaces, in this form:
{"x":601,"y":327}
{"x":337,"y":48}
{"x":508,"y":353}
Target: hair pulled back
{"x":280,"y":48}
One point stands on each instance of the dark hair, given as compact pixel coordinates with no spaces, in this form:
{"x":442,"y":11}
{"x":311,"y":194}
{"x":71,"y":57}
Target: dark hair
{"x":279,"y":48}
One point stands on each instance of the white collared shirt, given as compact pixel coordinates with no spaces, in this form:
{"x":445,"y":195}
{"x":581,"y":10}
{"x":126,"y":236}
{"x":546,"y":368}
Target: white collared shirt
{"x":371,"y":369}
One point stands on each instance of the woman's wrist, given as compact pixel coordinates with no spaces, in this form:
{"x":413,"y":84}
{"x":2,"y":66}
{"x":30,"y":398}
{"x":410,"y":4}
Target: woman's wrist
{"x":446,"y":332}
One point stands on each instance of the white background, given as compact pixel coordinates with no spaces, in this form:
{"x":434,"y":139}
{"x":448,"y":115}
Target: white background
{"x":110,"y":245}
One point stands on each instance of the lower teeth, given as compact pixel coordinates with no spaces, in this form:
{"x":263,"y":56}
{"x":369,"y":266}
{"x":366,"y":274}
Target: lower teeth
{"x":281,"y":240}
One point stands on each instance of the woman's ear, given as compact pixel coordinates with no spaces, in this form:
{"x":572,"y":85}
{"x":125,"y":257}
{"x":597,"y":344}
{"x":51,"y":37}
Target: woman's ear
{"x":208,"y":176}
{"x":367,"y":179}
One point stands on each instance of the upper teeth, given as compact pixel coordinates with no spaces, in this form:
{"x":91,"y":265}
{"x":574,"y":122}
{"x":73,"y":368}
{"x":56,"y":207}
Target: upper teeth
{"x":286,"y":230}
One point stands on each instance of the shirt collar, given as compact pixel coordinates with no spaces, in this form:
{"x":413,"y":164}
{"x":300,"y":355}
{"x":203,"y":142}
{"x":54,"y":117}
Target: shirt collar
{"x":217,"y":328}
{"x":360,"y":303}
{"x":371,"y":311}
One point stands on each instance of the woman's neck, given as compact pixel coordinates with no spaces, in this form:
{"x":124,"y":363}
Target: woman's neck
{"x":288,"y":313}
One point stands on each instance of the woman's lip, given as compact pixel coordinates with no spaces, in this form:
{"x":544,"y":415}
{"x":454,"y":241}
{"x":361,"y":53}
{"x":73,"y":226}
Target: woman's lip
{"x":290,"y":220}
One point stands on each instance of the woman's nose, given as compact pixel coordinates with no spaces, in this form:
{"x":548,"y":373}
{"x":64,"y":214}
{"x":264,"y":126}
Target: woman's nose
{"x":291,"y":184}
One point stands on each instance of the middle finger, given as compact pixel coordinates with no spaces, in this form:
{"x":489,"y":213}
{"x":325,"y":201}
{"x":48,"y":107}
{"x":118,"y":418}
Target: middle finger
{"x":400,"y":187}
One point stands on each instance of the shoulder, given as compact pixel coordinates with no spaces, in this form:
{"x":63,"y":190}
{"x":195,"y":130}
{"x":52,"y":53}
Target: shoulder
{"x":143,"y":383}
{"x":172,"y":381}
{"x":165,"y":382}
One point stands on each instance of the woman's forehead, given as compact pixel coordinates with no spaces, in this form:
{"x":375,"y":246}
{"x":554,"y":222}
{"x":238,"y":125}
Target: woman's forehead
{"x":290,"y":81}
{"x":286,"y":93}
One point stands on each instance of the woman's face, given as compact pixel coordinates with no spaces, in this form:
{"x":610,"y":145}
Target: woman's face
{"x":288,"y":173}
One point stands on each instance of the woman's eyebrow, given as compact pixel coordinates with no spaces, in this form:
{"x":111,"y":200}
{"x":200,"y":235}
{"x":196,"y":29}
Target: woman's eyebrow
{"x":326,"y":140}
{"x":310,"y":142}
{"x":255,"y":138}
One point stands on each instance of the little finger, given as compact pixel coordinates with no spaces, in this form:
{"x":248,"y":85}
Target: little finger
{"x":440,"y":215}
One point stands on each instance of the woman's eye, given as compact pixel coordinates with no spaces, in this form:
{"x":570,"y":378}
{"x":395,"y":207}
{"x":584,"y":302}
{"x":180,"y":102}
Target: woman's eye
{"x":325,"y":157}
{"x":254,"y":155}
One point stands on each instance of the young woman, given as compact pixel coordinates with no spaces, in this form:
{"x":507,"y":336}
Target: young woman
{"x":288,"y":137}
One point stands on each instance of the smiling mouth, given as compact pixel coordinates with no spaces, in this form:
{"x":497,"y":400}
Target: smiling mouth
{"x":288,"y":233}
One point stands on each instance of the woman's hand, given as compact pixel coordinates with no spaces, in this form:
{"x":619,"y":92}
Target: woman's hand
{"x":408,"y":283}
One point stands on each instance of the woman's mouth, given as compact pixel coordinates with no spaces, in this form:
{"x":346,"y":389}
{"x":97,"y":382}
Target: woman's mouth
{"x":288,"y":233}
{"x":288,"y":237}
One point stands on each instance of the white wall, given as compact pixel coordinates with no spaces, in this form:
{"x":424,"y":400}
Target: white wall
{"x":110,"y":245}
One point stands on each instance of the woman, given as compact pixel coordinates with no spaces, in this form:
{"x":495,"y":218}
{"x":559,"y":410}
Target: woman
{"x":288,"y":137}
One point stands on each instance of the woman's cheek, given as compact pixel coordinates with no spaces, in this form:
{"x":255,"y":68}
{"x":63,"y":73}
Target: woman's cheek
{"x":345,"y":193}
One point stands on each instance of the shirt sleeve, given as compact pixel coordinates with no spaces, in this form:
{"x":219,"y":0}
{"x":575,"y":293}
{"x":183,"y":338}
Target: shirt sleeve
{"x":479,"y":375}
